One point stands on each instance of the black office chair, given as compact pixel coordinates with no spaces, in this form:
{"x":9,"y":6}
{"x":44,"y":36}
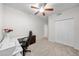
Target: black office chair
{"x":26,"y":43}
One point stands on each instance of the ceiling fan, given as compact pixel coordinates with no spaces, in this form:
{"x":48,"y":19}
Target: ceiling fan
{"x":41,"y":8}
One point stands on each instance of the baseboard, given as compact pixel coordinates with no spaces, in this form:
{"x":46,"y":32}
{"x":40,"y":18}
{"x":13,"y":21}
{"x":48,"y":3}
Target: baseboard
{"x":44,"y":37}
{"x":69,"y":45}
{"x":38,"y":38}
{"x":76,"y":48}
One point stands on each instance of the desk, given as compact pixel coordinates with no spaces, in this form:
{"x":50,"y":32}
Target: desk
{"x":10,"y":47}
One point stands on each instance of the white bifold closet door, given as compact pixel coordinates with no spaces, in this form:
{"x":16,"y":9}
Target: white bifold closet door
{"x":64,"y":32}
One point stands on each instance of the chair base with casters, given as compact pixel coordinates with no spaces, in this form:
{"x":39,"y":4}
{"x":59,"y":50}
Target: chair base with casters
{"x":24,"y":46}
{"x":25,"y":50}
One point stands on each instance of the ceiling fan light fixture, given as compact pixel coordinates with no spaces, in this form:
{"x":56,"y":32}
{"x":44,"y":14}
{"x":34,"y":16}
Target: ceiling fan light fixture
{"x":41,"y":10}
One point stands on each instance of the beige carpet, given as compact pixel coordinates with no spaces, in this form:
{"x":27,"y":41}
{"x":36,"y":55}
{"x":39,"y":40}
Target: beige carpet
{"x":45,"y":48}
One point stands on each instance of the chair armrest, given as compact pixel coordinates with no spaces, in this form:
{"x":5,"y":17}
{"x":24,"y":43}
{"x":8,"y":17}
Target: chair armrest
{"x":22,"y":38}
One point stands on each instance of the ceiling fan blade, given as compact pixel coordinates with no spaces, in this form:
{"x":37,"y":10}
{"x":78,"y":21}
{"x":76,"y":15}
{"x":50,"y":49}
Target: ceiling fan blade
{"x":43,"y":14}
{"x":49,"y":9}
{"x":45,"y":4}
{"x":36,"y":12}
{"x":34,"y":7}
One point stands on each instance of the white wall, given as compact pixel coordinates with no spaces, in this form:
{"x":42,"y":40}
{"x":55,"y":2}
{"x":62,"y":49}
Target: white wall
{"x":1,"y":21}
{"x":22,"y":23}
{"x":46,"y":30}
{"x":51,"y":29}
{"x":66,"y":32}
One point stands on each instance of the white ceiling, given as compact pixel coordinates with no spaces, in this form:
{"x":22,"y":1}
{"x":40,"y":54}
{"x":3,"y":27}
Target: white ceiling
{"x":58,"y":7}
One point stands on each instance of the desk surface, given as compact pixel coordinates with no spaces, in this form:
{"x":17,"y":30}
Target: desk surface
{"x":9,"y":43}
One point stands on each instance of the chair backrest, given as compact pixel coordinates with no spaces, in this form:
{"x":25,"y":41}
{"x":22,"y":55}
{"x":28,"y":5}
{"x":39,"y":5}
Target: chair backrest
{"x":29,"y":39}
{"x":30,"y":35}
{"x":33,"y":39}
